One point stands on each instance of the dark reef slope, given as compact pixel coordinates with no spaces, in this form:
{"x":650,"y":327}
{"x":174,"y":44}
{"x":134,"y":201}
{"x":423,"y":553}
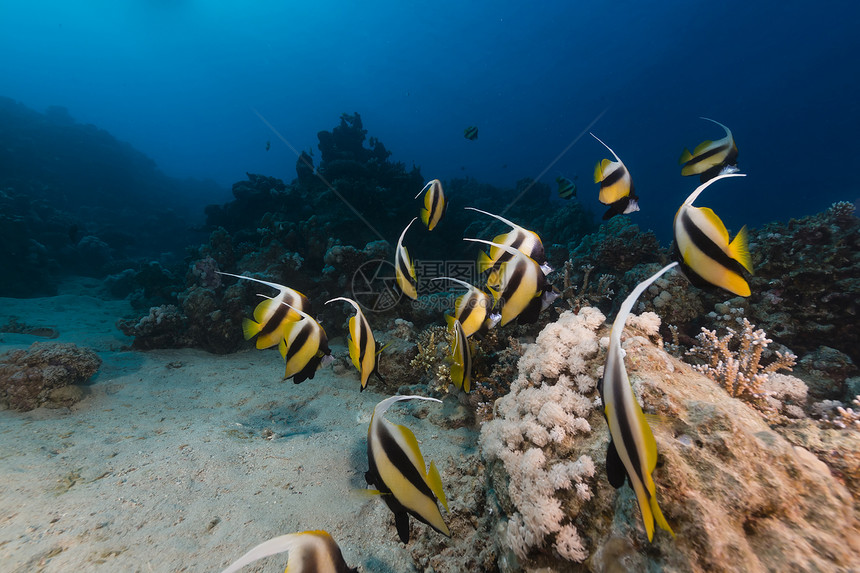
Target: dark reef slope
{"x":74,"y":200}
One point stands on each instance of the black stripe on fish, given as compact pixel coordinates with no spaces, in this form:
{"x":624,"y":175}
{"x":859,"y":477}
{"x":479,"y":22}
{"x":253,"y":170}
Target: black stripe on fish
{"x":364,"y":339}
{"x":513,"y":284}
{"x":402,"y":463}
{"x":710,"y":249}
{"x":277,"y":318}
{"x":614,"y":177}
{"x":299,"y":341}
{"x":709,"y":153}
{"x":621,"y":396}
{"x":469,"y":305}
{"x":403,"y":267}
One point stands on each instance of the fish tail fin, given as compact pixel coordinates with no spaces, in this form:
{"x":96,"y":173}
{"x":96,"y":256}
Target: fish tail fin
{"x":739,"y":248}
{"x":250,"y":329}
{"x":685,"y":157}
{"x":434,"y":480}
{"x":658,"y":517}
{"x":484,"y":261}
{"x":598,"y":171}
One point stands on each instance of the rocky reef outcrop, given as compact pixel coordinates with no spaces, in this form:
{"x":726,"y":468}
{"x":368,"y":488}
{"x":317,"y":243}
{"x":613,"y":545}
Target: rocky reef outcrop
{"x":737,"y":493}
{"x":46,"y":374}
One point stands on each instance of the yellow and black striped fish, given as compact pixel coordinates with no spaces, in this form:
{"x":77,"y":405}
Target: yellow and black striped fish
{"x":471,"y":133}
{"x":362,"y":345}
{"x":703,"y":249}
{"x":523,"y":289}
{"x":526,"y":241}
{"x":474,"y":309}
{"x":435,"y":204}
{"x":404,"y":270}
{"x":566,"y":187}
{"x":271,"y":317}
{"x":303,"y":347}
{"x":461,"y":356}
{"x":616,"y":185}
{"x":398,"y":472}
{"x":711,"y":158}
{"x":632,"y":450}
{"x":310,"y":552}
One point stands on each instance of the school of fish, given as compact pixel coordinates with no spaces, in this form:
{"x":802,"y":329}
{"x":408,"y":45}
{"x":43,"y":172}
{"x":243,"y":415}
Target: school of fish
{"x":516,"y":288}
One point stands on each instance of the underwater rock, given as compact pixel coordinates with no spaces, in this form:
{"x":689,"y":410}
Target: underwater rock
{"x":806,"y":287}
{"x":163,"y":327}
{"x":31,"y":378}
{"x":737,"y":494}
{"x":825,"y":371}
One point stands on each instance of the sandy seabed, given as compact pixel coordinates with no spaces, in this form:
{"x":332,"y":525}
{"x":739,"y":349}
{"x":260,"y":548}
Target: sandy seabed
{"x":180,"y":460}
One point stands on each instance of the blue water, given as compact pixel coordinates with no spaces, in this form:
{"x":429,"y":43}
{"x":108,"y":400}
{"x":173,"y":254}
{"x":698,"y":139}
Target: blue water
{"x":181,"y":80}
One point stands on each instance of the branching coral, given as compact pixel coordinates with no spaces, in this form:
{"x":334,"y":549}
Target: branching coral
{"x":430,"y":359}
{"x":587,"y":294}
{"x":734,"y":360}
{"x":534,"y":432}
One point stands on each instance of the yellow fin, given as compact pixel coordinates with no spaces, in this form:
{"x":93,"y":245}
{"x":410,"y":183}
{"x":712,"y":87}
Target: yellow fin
{"x":353,"y":345}
{"x":685,"y":157}
{"x":715,"y":221}
{"x":702,"y":147}
{"x":425,"y":217}
{"x":740,"y":250}
{"x":262,"y":309}
{"x":282,"y":348}
{"x":250,"y":329}
{"x":598,"y":170}
{"x":658,"y":516}
{"x":434,"y":480}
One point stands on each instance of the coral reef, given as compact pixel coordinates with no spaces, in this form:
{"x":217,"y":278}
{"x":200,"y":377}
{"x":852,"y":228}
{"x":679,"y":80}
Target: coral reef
{"x":74,"y":200}
{"x":806,"y":288}
{"x":43,"y":374}
{"x":734,"y":360}
{"x":737,"y":494}
{"x":533,"y":437}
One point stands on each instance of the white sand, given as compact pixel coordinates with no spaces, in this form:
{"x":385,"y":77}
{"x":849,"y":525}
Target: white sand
{"x":179,"y":460}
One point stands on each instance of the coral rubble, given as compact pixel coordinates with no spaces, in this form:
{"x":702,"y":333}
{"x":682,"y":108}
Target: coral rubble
{"x":45,"y":374}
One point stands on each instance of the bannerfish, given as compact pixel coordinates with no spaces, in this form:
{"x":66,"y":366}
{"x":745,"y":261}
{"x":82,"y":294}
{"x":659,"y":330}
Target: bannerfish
{"x":310,"y":552}
{"x":632,"y":450}
{"x":270,"y":316}
{"x":303,"y":347}
{"x":566,"y":187}
{"x":404,"y":270}
{"x":435,"y":204}
{"x":703,"y":249}
{"x":526,"y":241}
{"x":616,"y":185}
{"x":711,"y":158}
{"x":362,"y":345}
{"x":461,"y":356}
{"x":473,"y":309}
{"x":471,"y":133}
{"x":268,"y":145}
{"x":523,"y":290}
{"x":398,"y":472}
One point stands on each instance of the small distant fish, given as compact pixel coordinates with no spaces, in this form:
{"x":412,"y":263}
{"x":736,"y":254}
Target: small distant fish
{"x":566,"y":187}
{"x":526,"y":241}
{"x":523,"y":290}
{"x":310,"y":552}
{"x":404,"y":269}
{"x":471,"y":133}
{"x":616,"y":185}
{"x":303,"y":348}
{"x":435,"y":204}
{"x":268,"y":145}
{"x":270,"y":316}
{"x":702,"y":246}
{"x":632,"y":450}
{"x":711,"y":158}
{"x":398,"y":472}
{"x":474,"y":309}
{"x":461,"y":356}
{"x":362,"y":345}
